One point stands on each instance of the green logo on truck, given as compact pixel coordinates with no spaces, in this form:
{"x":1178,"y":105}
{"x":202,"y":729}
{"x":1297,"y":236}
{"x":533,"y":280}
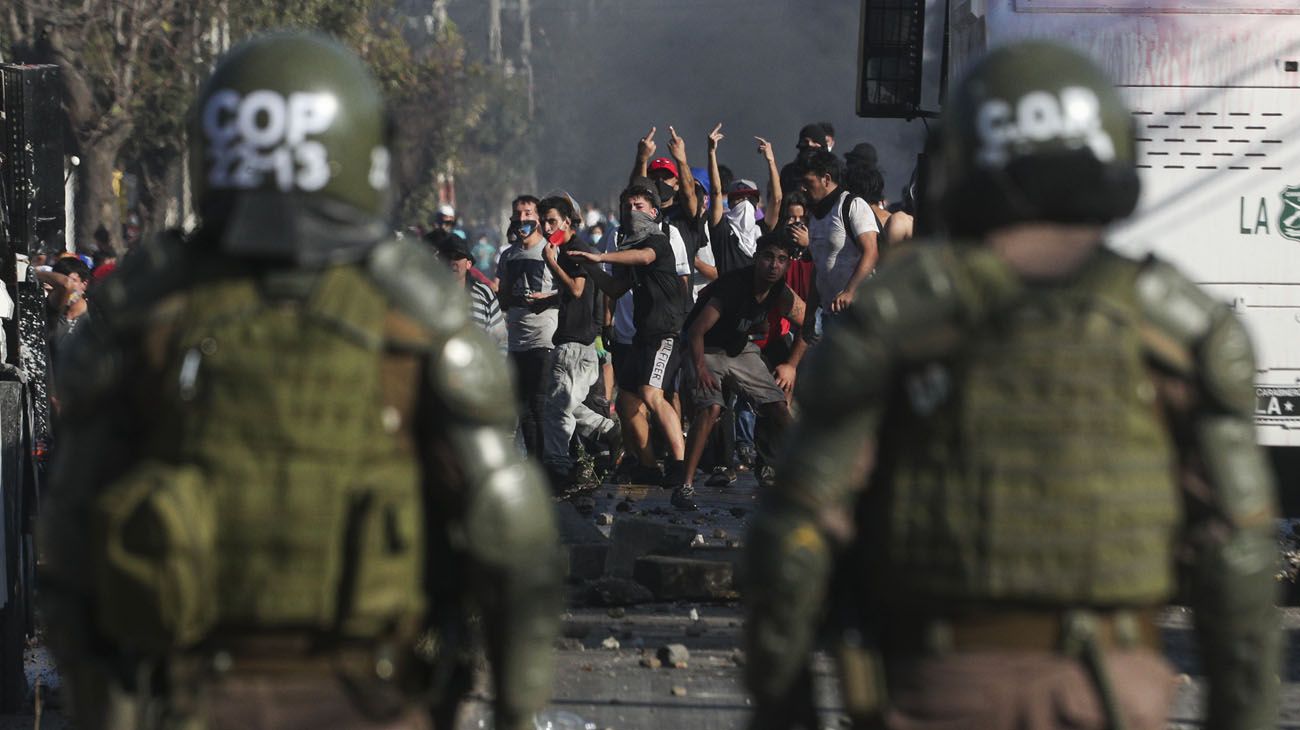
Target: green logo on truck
{"x":1288,"y":222}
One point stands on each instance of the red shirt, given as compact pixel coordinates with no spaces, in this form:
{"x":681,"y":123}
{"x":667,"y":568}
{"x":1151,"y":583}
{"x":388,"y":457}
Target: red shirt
{"x":799,"y":278}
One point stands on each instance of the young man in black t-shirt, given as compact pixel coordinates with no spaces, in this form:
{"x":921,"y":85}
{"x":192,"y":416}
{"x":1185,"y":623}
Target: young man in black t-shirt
{"x":572,"y":367}
{"x":644,"y":263}
{"x":730,"y":315}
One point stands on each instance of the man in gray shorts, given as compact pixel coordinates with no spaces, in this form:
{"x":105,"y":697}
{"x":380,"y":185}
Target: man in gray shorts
{"x":729,"y":316}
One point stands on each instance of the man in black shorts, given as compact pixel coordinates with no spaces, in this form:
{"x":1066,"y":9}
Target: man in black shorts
{"x":644,"y":263}
{"x":730,"y":315}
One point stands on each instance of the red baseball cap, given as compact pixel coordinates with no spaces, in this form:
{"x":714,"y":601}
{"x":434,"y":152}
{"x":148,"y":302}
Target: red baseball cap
{"x":663,"y":163}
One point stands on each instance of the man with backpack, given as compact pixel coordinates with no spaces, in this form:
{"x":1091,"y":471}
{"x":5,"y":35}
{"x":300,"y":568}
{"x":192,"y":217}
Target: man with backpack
{"x":1014,"y":444}
{"x":285,"y":456}
{"x":841,"y":234}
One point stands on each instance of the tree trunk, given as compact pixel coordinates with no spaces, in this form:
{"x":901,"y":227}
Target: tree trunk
{"x":96,"y":205}
{"x":159,"y":182}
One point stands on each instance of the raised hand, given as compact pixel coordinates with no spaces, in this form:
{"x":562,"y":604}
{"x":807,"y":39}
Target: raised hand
{"x":716,"y":136}
{"x":765,"y":149}
{"x":646,"y":146}
{"x":676,"y":145}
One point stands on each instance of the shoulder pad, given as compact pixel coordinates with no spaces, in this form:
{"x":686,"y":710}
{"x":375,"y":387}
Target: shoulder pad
{"x":150,"y":271}
{"x":1217,"y":345}
{"x":471,"y":379}
{"x":418,"y":285}
{"x":927,"y":296}
{"x":1173,"y":304}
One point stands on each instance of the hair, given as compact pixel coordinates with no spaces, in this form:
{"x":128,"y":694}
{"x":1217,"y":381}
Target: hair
{"x":557,"y":203}
{"x":72,"y":265}
{"x":640,"y":189}
{"x":823,"y":162}
{"x":772,"y":239}
{"x":524,"y":199}
{"x":795,"y":198}
{"x":865,"y":182}
{"x":726,"y":176}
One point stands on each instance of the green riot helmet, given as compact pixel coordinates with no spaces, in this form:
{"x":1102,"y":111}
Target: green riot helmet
{"x":1034,"y":132}
{"x":290,"y":152}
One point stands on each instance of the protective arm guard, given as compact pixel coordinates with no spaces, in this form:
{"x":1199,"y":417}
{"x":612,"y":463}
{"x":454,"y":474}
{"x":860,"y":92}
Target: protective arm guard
{"x":1230,"y":501}
{"x":509,"y":532}
{"x":787,"y":568}
{"x":97,"y":440}
{"x":505,"y":523}
{"x":914,"y":309}
{"x":491,"y":499}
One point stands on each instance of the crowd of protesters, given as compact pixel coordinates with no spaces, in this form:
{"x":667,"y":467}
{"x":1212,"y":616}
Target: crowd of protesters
{"x":659,"y":345}
{"x":665,"y":343}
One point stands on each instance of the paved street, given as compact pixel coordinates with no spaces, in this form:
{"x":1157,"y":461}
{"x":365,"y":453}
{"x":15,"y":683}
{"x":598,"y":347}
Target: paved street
{"x":602,"y":678}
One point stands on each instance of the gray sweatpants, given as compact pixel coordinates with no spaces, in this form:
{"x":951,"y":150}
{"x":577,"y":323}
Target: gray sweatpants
{"x":571,"y":370}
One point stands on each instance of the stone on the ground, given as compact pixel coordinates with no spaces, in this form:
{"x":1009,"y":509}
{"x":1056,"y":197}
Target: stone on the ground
{"x":610,"y":643}
{"x":651,"y":662}
{"x":674,"y":655}
{"x":674,"y":579}
{"x":633,"y":538}
{"x":565,"y":643}
{"x":719,"y":533}
{"x":604,"y":518}
{"x":679,"y":691}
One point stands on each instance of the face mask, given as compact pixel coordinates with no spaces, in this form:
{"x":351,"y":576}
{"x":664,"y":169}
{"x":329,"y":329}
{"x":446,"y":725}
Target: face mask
{"x":556,"y":238}
{"x":519,"y":230}
{"x":742,"y":213}
{"x":637,"y":226}
{"x":666,"y":191}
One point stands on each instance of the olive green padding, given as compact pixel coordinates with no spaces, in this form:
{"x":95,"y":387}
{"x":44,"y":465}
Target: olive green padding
{"x":917,"y":307}
{"x":786,"y":571}
{"x":288,"y":62}
{"x":292,"y":461}
{"x":1032,"y":463}
{"x":156,"y":528}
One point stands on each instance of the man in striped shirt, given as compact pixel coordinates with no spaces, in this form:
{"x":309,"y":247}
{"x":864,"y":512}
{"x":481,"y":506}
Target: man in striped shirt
{"x":483,"y":307}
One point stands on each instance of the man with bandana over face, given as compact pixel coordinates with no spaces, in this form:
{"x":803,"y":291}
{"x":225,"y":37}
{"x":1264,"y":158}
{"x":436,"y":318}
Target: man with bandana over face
{"x":644,"y":264}
{"x":680,"y":203}
{"x":527,"y":295}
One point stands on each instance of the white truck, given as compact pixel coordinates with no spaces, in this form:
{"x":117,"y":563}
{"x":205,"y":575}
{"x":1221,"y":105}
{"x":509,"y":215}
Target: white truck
{"x":1214,"y":86}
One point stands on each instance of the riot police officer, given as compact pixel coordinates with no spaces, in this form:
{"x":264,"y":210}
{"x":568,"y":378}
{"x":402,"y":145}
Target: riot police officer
{"x":1015,"y":443}
{"x":285,"y":452}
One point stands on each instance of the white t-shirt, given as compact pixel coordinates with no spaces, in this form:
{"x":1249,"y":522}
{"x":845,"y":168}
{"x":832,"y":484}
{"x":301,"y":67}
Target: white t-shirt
{"x":834,"y":257}
{"x":624,"y":329}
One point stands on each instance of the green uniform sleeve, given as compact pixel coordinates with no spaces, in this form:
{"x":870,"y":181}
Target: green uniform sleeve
{"x":95,"y":441}
{"x":490,"y":499}
{"x":1230,"y":502}
{"x":504,"y":524}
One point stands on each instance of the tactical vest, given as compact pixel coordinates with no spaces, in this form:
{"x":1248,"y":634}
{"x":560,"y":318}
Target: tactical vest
{"x":279,"y":486}
{"x":1032,"y":464}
